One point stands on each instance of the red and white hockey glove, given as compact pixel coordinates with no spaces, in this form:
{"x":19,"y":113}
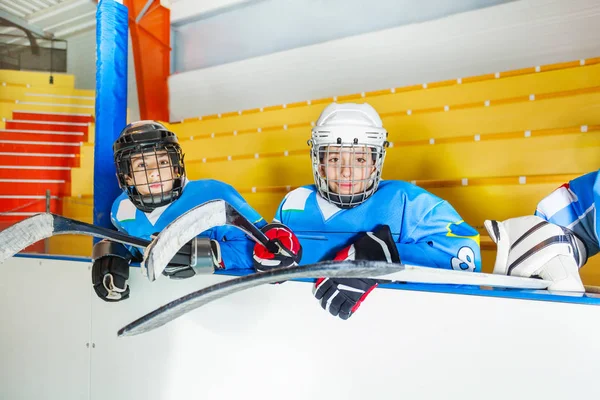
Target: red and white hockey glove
{"x":290,"y":251}
{"x":343,"y":296}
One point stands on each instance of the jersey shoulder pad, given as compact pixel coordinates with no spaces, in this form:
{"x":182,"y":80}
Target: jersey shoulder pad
{"x":122,"y":210}
{"x":556,"y":201}
{"x":296,"y":199}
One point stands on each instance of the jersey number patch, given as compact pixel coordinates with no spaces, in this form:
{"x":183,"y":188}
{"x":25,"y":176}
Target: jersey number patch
{"x":464,"y":260}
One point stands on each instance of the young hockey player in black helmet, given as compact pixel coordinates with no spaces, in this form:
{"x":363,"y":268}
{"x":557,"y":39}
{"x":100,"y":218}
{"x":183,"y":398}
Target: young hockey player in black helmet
{"x":151,"y":172}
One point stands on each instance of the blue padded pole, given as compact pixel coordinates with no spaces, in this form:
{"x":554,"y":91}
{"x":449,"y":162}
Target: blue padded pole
{"x":111,"y":102}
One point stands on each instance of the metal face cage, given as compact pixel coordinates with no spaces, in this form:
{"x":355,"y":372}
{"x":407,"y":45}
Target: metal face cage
{"x":151,"y":172}
{"x":347,"y":174}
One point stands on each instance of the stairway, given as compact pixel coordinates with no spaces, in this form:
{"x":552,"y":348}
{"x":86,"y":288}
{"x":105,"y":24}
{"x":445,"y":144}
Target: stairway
{"x":41,"y":135}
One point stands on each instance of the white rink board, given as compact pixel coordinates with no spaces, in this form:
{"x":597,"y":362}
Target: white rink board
{"x":45,"y":329}
{"x":274,"y":342}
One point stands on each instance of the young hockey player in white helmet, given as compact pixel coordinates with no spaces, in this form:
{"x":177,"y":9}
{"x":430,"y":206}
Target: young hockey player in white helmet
{"x":555,"y":242}
{"x":351,"y":214}
{"x":151,"y":172}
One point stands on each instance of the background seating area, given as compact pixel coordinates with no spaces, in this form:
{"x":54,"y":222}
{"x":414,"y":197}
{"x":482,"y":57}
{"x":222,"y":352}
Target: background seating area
{"x":492,"y":145}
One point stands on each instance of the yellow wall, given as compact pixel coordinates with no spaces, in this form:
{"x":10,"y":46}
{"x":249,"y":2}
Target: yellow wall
{"x":539,"y":125}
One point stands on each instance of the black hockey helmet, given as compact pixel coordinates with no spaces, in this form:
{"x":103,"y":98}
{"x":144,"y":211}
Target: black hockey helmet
{"x":148,"y":140}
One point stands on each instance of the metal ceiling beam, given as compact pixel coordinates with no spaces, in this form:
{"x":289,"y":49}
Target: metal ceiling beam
{"x":39,"y":3}
{"x":24,"y":24}
{"x":13,"y":11}
{"x":70,"y":20}
{"x":21,"y":7}
{"x":76,"y":29}
{"x":56,"y":10}
{"x":29,"y":5}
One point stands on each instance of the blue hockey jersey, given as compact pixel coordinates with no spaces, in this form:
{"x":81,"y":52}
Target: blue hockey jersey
{"x":236,"y":247}
{"x":573,"y":205}
{"x":426,"y":229}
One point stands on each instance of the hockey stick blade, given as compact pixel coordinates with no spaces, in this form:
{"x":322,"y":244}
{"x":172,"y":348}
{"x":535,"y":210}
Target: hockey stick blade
{"x":185,"y":304}
{"x":189,"y":225}
{"x":41,"y":226}
{"x":25,"y":233}
{"x":416,"y":274}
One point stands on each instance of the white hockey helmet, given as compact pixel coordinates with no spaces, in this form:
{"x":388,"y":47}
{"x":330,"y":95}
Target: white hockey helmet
{"x":350,"y":129}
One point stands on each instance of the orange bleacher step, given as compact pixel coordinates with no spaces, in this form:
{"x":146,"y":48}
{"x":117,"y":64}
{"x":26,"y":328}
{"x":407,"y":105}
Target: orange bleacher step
{"x":48,"y":126}
{"x":34,"y":172}
{"x":44,"y":136}
{"x":40,"y":159}
{"x":52,"y":116}
{"x":22,"y":146}
{"x":57,"y":187}
{"x":27,"y":204}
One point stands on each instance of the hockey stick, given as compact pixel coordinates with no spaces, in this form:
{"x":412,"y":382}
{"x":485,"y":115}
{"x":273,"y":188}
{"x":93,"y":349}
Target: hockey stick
{"x":189,"y":225}
{"x":344,"y":269}
{"x":44,"y":225}
{"x":41,"y":226}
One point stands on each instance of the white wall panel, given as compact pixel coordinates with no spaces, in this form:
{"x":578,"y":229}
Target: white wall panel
{"x":274,"y":342}
{"x":267,"y":26}
{"x":509,"y":36}
{"x":182,"y":10}
{"x":44,"y":329}
{"x":81,"y":59}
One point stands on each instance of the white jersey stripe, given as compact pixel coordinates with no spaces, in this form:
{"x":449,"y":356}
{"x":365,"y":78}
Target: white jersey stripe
{"x":556,"y":201}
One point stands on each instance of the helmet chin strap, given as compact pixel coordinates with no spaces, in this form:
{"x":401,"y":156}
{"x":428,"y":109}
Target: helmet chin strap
{"x":149,"y":202}
{"x":151,"y":199}
{"x":348,"y":200}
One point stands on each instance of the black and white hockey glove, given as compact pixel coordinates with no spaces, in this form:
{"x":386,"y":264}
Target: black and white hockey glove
{"x":533,"y":247}
{"x":290,"y":250}
{"x":343,"y":296}
{"x":110,"y":271}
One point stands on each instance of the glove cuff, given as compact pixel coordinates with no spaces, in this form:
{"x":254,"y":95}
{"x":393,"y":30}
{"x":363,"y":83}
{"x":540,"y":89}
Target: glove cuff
{"x":580,"y":251}
{"x":109,"y":248}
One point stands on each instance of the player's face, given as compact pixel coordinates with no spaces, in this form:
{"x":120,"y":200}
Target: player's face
{"x":152,"y":173}
{"x":347,"y":169}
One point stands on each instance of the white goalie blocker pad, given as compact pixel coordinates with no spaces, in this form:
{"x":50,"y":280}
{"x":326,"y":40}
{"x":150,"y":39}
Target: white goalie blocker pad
{"x":532,"y":247}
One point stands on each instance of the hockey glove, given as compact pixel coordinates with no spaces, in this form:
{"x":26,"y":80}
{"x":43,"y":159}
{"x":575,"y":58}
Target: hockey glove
{"x":343,"y":296}
{"x":110,"y":271}
{"x":290,"y":250}
{"x":533,"y":247}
